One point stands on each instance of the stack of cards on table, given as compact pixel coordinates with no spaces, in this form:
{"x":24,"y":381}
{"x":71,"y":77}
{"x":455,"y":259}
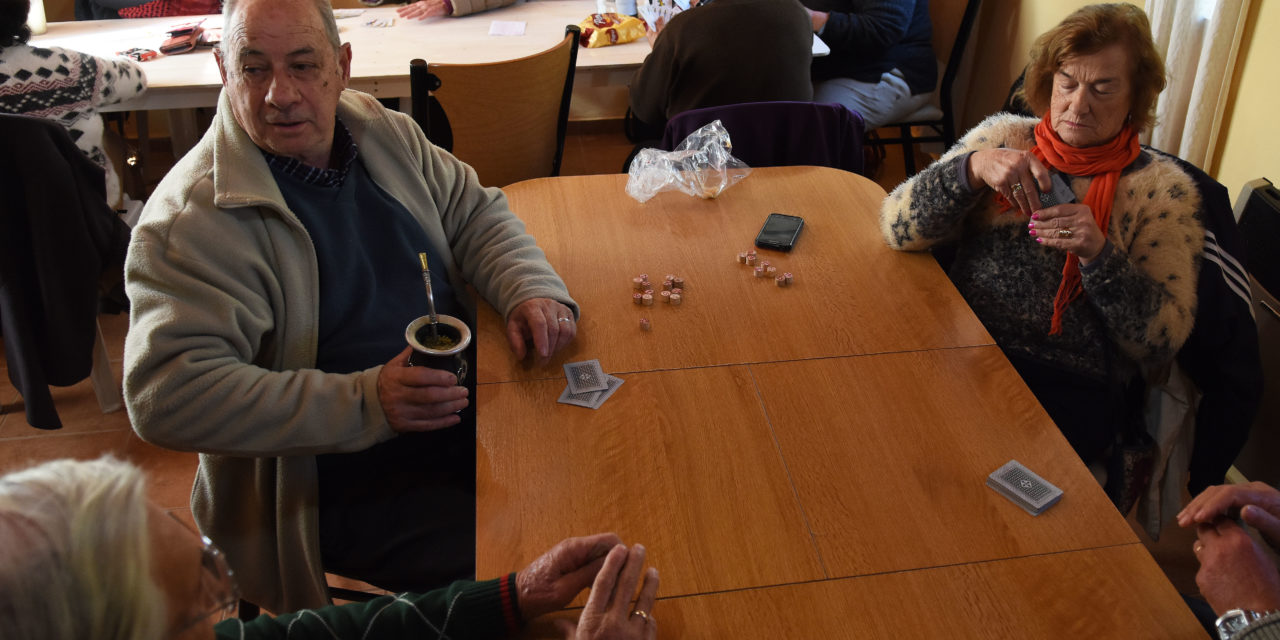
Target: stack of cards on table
{"x":589,"y":386}
{"x":1024,"y":487}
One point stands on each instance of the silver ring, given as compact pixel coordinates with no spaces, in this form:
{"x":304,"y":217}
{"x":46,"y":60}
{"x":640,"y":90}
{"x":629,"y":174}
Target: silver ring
{"x":564,"y":319}
{"x":1017,"y":186}
{"x":1065,"y":233}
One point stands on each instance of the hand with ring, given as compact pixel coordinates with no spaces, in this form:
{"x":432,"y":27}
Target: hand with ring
{"x":1235,"y":572}
{"x":1069,"y":227}
{"x":423,"y":9}
{"x":609,"y":612}
{"x":1017,"y":175}
{"x":547,"y":323}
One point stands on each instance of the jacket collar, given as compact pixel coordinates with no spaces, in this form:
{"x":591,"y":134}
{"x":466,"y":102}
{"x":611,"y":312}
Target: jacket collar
{"x":241,"y":177}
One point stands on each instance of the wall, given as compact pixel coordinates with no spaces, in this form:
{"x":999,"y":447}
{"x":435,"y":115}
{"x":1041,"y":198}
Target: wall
{"x":1249,"y":142}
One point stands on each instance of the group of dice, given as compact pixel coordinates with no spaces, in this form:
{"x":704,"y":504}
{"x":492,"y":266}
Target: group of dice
{"x":643,"y":293}
{"x":762,"y":268}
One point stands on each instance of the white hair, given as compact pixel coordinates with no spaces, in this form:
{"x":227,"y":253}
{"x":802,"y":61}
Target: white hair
{"x":323,"y":7}
{"x":75,"y":560}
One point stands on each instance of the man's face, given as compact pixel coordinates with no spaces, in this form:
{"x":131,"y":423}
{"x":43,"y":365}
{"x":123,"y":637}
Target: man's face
{"x":283,"y":78}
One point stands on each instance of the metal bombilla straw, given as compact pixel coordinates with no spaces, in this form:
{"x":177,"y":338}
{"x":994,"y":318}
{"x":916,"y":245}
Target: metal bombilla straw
{"x":431,"y":300}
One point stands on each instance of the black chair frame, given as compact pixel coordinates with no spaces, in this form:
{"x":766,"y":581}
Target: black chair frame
{"x":944,"y":130}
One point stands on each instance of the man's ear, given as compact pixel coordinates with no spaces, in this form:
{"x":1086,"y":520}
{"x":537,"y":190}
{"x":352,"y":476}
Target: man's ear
{"x":222,"y":70}
{"x":344,"y":63}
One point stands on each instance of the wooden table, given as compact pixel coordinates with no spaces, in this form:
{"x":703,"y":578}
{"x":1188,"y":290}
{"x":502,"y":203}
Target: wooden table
{"x":806,"y":462}
{"x":380,"y":56}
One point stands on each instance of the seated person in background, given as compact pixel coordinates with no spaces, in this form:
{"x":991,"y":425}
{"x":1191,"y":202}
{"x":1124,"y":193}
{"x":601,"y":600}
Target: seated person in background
{"x":1237,"y":576}
{"x":162,"y":8}
{"x":272,"y":275}
{"x":719,"y":53}
{"x":84,"y":554}
{"x":881,"y":64}
{"x":63,"y":85}
{"x":1079,"y":295}
{"x":423,"y":9}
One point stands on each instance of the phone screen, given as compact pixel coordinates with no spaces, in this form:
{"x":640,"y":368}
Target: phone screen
{"x":779,"y":232}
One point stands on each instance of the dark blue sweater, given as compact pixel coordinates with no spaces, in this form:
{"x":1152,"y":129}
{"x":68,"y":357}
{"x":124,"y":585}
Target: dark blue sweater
{"x":869,"y":37}
{"x":367,"y":246}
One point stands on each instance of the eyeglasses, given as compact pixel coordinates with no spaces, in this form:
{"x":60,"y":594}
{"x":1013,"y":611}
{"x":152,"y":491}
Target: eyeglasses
{"x":219,"y":594}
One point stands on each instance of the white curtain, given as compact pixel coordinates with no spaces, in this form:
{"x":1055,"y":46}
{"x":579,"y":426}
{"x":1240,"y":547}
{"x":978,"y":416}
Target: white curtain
{"x":1199,"y":40}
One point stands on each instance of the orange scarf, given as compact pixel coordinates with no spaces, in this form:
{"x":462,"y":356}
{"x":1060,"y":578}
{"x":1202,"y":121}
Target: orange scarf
{"x":1104,"y":163}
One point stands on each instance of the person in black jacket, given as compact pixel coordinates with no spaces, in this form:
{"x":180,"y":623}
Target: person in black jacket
{"x":881,"y":64}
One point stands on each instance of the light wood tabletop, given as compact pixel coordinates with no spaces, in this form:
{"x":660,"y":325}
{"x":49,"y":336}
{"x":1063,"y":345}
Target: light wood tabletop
{"x":1112,"y":592}
{"x":890,"y":454}
{"x":804,"y":462}
{"x":851,"y":295}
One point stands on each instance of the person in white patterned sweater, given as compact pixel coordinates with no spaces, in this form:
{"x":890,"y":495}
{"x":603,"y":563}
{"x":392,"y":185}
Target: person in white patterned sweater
{"x":63,"y":85}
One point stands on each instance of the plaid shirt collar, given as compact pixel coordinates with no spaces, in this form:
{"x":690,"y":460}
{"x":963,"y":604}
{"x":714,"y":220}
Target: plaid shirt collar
{"x":343,"y":145}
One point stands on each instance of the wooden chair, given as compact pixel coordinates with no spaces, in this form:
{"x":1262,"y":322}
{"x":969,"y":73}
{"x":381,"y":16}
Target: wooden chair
{"x":505,"y":119}
{"x":939,"y":116}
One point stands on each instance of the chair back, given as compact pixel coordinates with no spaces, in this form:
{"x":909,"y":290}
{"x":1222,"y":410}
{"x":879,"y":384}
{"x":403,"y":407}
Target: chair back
{"x":505,"y":119}
{"x":776,"y":134}
{"x":954,"y":43}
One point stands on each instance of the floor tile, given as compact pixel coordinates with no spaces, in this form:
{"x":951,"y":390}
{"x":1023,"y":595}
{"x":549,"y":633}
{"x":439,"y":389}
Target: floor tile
{"x":170,"y":473}
{"x":18,"y":453}
{"x":77,"y":407}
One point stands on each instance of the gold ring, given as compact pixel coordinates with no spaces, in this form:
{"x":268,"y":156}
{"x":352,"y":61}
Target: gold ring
{"x":1017,"y":186}
{"x":642,"y":614}
{"x":1065,"y":233}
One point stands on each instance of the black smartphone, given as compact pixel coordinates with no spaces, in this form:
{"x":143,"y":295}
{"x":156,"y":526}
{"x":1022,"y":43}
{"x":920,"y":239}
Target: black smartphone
{"x":779,"y":232}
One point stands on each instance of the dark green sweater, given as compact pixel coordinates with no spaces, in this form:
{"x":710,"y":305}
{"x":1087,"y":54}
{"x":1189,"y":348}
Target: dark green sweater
{"x":463,"y":610}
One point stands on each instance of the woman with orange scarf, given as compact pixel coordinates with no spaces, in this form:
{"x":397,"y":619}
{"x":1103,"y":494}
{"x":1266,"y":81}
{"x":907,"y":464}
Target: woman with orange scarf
{"x":1076,"y":248}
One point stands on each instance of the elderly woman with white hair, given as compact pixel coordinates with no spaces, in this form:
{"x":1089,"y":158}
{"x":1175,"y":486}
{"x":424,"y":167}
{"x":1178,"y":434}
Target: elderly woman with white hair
{"x":83,"y":554}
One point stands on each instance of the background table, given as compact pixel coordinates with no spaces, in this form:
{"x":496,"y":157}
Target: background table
{"x":380,"y":56}
{"x":800,"y":462}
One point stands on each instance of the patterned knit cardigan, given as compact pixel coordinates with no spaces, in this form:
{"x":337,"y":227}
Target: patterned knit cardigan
{"x":1140,"y":297}
{"x":69,"y":87}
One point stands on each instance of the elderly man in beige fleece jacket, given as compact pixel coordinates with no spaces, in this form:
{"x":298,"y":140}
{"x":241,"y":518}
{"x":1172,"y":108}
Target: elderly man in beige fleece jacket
{"x":271,"y":277}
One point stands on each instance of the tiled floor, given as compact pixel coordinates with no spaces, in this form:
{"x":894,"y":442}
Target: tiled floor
{"x":87,"y":433}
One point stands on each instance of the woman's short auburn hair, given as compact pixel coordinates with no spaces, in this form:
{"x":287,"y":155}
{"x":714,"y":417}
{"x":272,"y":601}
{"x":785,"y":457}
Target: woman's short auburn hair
{"x":1088,"y":31}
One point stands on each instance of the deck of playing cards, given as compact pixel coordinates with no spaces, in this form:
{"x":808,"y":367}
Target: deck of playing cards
{"x":589,"y":386}
{"x":1060,"y":194}
{"x":1024,"y":487}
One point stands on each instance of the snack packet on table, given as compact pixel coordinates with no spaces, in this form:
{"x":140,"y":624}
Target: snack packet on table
{"x":604,"y":29}
{"x":702,"y":165}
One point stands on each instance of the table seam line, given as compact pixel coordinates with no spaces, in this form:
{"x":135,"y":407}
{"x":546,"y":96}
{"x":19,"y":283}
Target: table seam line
{"x":795,"y":491}
{"x":760,"y":362}
{"x":897,"y":571}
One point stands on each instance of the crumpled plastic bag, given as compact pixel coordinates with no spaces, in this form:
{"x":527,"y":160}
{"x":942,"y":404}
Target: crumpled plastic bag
{"x":703,"y":166}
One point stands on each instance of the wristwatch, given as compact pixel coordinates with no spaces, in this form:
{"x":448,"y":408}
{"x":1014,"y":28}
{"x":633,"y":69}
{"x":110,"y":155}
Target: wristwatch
{"x":1235,"y":620}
